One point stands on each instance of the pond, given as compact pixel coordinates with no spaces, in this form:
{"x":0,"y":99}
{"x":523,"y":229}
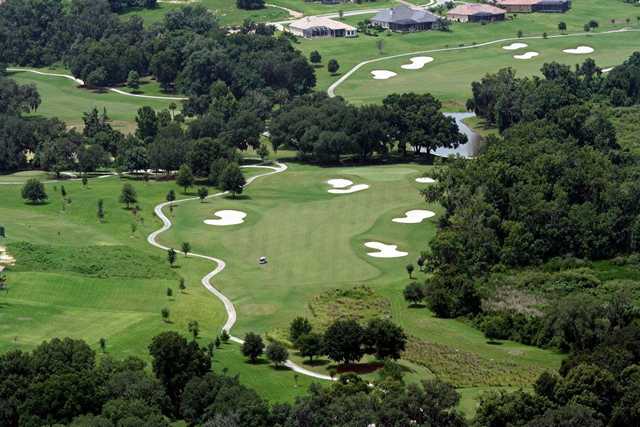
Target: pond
{"x":474,"y":140}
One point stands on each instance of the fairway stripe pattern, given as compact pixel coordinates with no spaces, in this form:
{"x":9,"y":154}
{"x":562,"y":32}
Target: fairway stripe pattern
{"x":220,"y":264}
{"x":331,"y":91}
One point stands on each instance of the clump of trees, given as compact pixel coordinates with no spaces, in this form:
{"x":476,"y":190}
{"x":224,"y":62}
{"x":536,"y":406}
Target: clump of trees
{"x":346,"y":341}
{"x":325,"y":129}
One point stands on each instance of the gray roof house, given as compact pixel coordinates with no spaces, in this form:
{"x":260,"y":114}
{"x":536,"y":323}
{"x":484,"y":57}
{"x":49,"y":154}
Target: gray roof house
{"x":405,"y":19}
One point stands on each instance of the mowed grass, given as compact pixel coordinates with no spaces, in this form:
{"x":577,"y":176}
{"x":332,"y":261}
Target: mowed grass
{"x":350,"y":52}
{"x":450,"y":75}
{"x":91,"y":280}
{"x":314,"y":242}
{"x":63,"y":98}
{"x":225,"y":11}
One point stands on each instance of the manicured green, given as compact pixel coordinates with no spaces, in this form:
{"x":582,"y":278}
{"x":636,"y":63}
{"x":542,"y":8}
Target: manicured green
{"x":63,"y":98}
{"x":450,"y":76}
{"x":350,"y":52}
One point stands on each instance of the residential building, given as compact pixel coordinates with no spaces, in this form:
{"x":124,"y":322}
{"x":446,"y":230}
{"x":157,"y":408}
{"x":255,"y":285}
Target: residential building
{"x":476,"y":12}
{"x":405,"y":19}
{"x":528,"y":6}
{"x":320,"y":26}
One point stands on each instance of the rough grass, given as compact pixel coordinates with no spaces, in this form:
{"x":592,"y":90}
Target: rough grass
{"x":359,"y":303}
{"x":97,"y":261}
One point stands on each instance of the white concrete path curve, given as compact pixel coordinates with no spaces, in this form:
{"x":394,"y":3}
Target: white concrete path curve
{"x":111,"y":89}
{"x":220,"y":264}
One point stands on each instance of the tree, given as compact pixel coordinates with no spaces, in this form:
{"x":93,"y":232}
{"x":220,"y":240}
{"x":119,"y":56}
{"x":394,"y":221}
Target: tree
{"x":384,"y":339}
{"x":315,"y":57}
{"x":176,"y":362}
{"x":182,"y":284}
{"x":343,"y":341}
{"x":413,"y":293}
{"x":252,"y":346}
{"x":277,"y":353}
{"x":171,"y":196}
{"x":224,"y":336}
{"x":215,"y":171}
{"x":103,"y":344}
{"x":520,"y":34}
{"x":185,"y":177}
{"x":165,"y":313}
{"x":100,"y":212}
{"x":203,"y":192}
{"x":232,"y":179}
{"x":410,"y":268}
{"x":593,"y":24}
{"x":333,"y":66}
{"x":128,"y":195}
{"x":562,"y":26}
{"x":298,"y":327}
{"x":263,"y":152}
{"x":310,"y":345}
{"x":380,"y":45}
{"x":147,"y":121}
{"x":186,"y":248}
{"x":133,"y":80}
{"x":33,"y":191}
{"x":171,"y":256}
{"x":250,"y":4}
{"x":194,"y":328}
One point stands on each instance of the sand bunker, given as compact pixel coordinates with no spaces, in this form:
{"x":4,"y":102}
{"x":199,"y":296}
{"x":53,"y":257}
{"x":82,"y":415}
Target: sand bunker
{"x":383,"y":74}
{"x":227,"y":217}
{"x":340,"y":186}
{"x":580,"y":50}
{"x":384,"y":251}
{"x":415,"y":216}
{"x":417,"y":62}
{"x":515,"y":46}
{"x":527,"y":55}
{"x":425,"y":180}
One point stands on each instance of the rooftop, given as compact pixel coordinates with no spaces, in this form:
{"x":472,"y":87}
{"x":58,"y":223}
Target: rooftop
{"x":476,"y":9}
{"x":320,"y":21}
{"x":405,"y":15}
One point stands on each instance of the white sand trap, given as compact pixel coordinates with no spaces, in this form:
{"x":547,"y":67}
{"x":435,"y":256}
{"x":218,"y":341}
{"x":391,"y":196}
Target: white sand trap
{"x":606,"y":70}
{"x":227,"y":217}
{"x":340,"y":186}
{"x":425,"y":180}
{"x":339,"y":183}
{"x":515,"y":46}
{"x":527,"y":55}
{"x":415,"y":216}
{"x":580,"y":50}
{"x":383,"y":74}
{"x":384,"y":251}
{"x":417,"y":62}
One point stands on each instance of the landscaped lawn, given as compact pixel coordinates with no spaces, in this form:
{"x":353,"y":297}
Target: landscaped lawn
{"x":314,"y":244}
{"x":450,"y":75}
{"x":350,"y":52}
{"x":63,"y":98}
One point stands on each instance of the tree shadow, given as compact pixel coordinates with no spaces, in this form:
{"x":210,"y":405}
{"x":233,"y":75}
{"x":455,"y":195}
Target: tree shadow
{"x":417,"y":306}
{"x":358,"y":368}
{"x":494,"y":342}
{"x":238,"y":197}
{"x":279,"y":368}
{"x":316,"y":362}
{"x":259,"y":362}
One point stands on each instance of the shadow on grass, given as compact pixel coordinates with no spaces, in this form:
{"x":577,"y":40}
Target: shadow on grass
{"x":316,"y":362}
{"x":238,"y":197}
{"x":494,"y":342}
{"x":258,"y":362}
{"x":358,"y":368}
{"x":417,"y":306}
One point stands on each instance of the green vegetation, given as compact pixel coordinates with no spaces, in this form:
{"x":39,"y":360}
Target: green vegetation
{"x":63,"y":99}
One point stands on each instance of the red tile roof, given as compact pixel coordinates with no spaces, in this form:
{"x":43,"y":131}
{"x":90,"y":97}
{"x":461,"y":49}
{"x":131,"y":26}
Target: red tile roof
{"x":476,"y":8}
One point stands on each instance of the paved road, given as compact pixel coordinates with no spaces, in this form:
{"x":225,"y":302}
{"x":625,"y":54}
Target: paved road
{"x":331,"y":90}
{"x":220,"y":265}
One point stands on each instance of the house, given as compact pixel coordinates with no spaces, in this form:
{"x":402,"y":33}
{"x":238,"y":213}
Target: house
{"x":528,"y":6}
{"x":405,"y":19}
{"x":476,"y":12}
{"x":320,"y":26}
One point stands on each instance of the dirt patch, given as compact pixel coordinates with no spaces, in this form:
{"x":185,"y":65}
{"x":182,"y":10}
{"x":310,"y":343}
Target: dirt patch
{"x":360,"y":303}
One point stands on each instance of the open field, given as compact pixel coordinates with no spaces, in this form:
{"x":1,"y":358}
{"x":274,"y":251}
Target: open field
{"x":63,"y":99}
{"x":314,"y":243}
{"x":450,"y":75}
{"x":225,"y":10}
{"x":350,"y":52}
